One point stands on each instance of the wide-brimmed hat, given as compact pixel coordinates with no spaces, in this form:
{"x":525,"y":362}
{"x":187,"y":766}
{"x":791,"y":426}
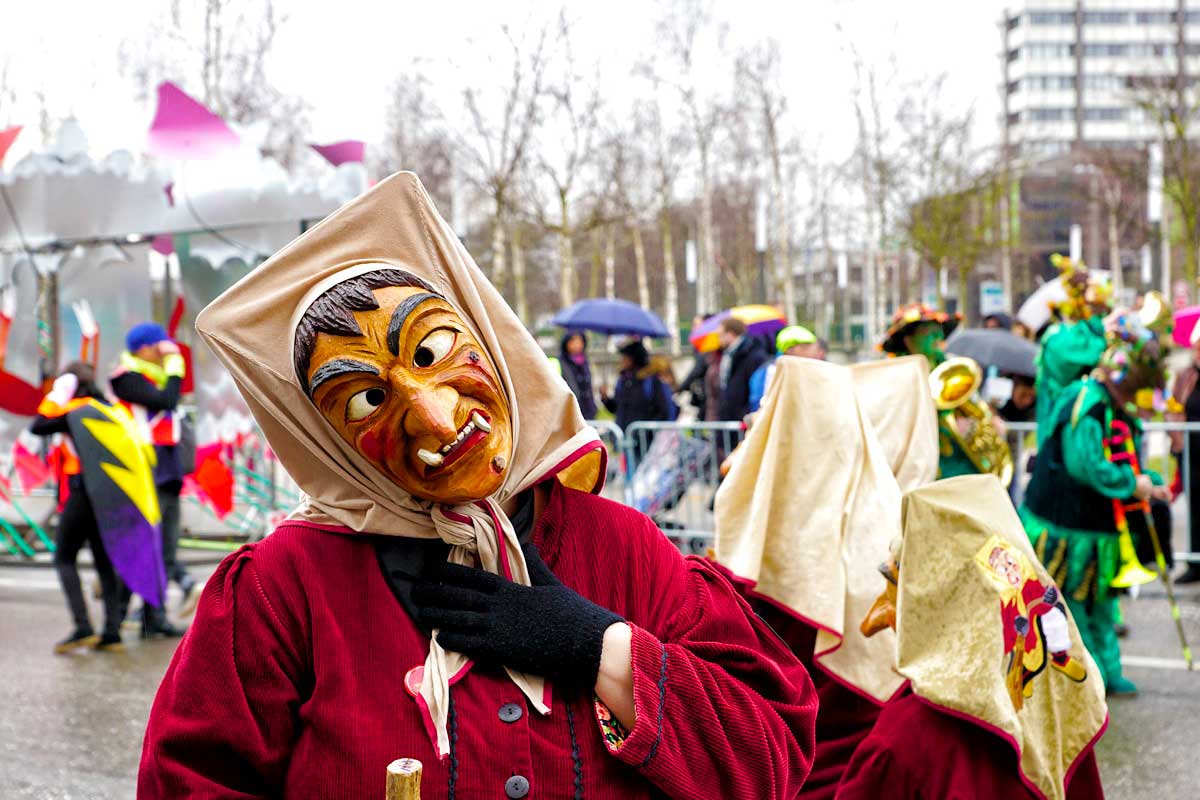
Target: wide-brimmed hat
{"x":907,"y":318}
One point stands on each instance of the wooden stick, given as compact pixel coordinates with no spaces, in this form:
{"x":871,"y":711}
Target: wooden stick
{"x":404,"y":779}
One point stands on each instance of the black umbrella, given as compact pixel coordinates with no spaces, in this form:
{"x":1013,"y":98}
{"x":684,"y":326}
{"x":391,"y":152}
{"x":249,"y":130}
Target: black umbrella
{"x":993,"y":347}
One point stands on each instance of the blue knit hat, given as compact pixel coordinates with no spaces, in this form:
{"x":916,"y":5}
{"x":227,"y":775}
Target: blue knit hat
{"x":143,"y":334}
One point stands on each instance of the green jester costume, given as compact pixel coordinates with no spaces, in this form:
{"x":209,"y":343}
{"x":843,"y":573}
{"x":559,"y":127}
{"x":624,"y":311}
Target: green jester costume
{"x":1070,"y":349}
{"x":1085,"y":478}
{"x":1072,"y":346}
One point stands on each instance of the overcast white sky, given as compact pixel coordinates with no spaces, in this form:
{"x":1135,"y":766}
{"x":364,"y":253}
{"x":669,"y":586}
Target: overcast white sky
{"x":342,"y":56}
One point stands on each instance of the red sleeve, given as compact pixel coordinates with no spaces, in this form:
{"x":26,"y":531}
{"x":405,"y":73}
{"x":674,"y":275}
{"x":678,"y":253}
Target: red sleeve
{"x":224,"y":718}
{"x":724,"y":709}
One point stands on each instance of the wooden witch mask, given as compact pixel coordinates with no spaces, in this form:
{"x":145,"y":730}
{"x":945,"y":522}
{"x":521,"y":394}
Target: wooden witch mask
{"x":395,"y":369}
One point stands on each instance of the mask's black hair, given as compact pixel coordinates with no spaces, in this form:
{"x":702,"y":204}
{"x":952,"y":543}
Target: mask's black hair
{"x":333,"y":311}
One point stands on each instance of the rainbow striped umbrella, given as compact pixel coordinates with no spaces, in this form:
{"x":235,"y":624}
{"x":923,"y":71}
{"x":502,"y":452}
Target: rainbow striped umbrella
{"x":760,"y":321}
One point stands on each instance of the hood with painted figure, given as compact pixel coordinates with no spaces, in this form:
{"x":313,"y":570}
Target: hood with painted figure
{"x":982,"y":631}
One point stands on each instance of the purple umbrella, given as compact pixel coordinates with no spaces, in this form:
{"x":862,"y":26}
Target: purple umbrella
{"x":611,"y":317}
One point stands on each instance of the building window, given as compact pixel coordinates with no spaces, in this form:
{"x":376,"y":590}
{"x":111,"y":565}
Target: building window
{"x":1104,"y":82}
{"x":1105,"y":17}
{"x":1052,"y":18}
{"x":1104,"y":114}
{"x":1049,"y":114}
{"x":1154,"y":17}
{"x":1047,"y":50}
{"x":1105,"y":50}
{"x":1048,"y":83}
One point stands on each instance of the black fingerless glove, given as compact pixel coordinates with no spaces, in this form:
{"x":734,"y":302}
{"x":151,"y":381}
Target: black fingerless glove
{"x":545,"y":629}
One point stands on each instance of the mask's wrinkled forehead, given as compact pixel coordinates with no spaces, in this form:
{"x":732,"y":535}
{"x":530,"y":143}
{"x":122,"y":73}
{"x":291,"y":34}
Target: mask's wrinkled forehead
{"x":331,"y":311}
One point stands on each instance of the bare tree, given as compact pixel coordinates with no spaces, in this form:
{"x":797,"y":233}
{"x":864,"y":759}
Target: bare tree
{"x":758,"y":74}
{"x":567,"y":151}
{"x":947,"y":197}
{"x":685,"y":29}
{"x":417,"y":138}
{"x":628,"y":163}
{"x":497,"y":142}
{"x":877,"y":167}
{"x":668,"y":150}
{"x":1172,"y":105}
{"x":221,"y":52}
{"x":1117,"y":180}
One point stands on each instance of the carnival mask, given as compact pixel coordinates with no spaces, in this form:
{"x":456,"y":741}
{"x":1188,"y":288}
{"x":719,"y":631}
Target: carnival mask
{"x":929,"y":340}
{"x":416,"y":394}
{"x":882,"y":613}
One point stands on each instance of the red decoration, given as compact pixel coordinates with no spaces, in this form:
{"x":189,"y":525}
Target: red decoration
{"x":188,"y":383}
{"x":214,"y":479}
{"x":7,"y":137}
{"x":31,"y":470}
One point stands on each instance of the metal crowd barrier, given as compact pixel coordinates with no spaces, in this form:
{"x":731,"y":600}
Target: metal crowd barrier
{"x":670,"y":472}
{"x":1156,"y":454}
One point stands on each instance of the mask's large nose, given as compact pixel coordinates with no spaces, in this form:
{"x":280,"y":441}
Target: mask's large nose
{"x":881,"y":615}
{"x":430,"y":407}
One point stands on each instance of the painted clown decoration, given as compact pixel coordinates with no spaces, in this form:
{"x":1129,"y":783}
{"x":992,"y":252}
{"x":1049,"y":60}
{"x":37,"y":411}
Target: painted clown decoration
{"x":1034,"y":617}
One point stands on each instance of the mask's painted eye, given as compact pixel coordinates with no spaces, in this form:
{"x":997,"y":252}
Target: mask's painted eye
{"x":364,"y":403}
{"x":434,"y":347}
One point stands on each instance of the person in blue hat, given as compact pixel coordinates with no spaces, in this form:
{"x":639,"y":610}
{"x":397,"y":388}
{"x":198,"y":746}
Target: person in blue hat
{"x":149,"y":383}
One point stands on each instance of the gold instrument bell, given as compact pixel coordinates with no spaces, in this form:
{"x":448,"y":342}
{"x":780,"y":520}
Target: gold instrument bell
{"x":1132,"y":573}
{"x":955,"y":386}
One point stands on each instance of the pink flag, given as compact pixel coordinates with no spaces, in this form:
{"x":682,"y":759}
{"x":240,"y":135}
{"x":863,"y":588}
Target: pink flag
{"x":184,"y":128}
{"x":7,"y":137}
{"x":163,"y":244}
{"x":339,"y":153}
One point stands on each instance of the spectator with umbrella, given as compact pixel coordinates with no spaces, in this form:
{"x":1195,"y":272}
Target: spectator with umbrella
{"x":737,"y":335}
{"x":741,"y":355}
{"x":640,"y":395}
{"x":577,"y":371}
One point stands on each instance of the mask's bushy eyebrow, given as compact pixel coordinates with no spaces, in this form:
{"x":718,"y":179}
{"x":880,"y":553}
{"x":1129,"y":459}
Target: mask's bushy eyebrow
{"x":333,"y":311}
{"x":339,"y":366}
{"x":406,"y":307}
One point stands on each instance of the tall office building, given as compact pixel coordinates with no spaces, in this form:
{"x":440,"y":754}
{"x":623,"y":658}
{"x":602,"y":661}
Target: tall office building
{"x":1072,"y":69}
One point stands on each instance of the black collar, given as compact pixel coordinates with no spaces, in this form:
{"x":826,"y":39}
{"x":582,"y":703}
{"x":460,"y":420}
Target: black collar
{"x":404,"y":559}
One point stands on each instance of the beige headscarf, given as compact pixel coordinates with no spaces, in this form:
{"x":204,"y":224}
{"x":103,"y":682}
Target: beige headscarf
{"x":896,"y":396}
{"x":251,"y":329}
{"x":807,"y":513}
{"x":950,"y":634}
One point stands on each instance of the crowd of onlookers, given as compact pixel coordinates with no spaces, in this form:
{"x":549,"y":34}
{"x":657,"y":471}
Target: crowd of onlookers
{"x":722,"y":386}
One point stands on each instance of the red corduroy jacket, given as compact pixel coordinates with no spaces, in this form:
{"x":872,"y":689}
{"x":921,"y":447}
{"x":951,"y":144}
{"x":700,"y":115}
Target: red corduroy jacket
{"x":291,"y":681}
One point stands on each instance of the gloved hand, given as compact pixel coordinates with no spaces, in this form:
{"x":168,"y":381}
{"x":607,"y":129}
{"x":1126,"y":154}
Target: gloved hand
{"x":545,"y":629}
{"x":64,"y":388}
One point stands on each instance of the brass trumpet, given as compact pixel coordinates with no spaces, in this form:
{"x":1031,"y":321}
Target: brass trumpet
{"x":955,"y":387}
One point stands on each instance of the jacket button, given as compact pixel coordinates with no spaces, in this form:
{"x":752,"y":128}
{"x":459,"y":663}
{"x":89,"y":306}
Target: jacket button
{"x":516,"y":787}
{"x":510,"y":712}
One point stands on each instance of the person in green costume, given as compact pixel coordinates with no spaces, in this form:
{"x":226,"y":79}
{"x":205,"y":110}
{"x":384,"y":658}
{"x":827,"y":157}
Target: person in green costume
{"x":918,"y":329}
{"x":1072,"y":346}
{"x":1083,"y":476}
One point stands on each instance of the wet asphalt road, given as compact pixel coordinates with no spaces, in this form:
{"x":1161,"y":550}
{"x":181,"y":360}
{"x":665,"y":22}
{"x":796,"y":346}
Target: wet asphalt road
{"x":71,"y":726}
